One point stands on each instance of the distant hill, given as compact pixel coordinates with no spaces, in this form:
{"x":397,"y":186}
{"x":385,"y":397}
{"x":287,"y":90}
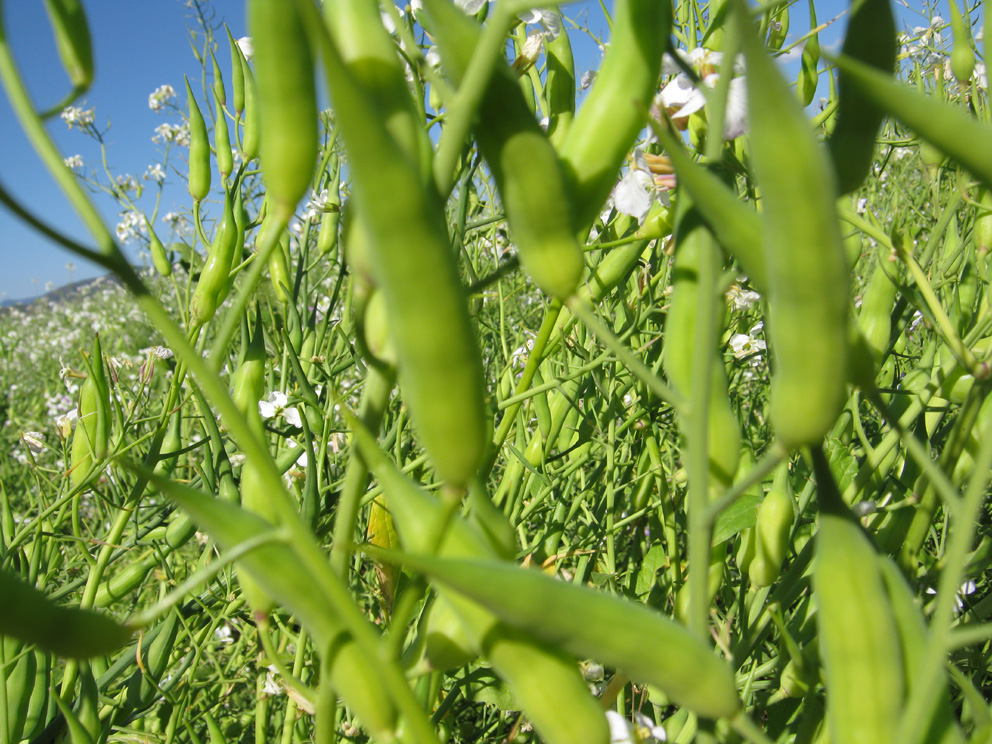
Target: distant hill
{"x":65,"y":292}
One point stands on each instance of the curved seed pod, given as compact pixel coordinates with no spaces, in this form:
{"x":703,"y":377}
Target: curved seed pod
{"x":808,"y":279}
{"x":652,"y":649}
{"x":199,"y":150}
{"x":545,"y":682}
{"x":523,"y":162}
{"x":283,"y":574}
{"x":439,"y":362}
{"x":287,"y":101}
{"x":72,"y":38}
{"x":859,"y":640}
{"x":614,"y":110}
{"x":123,"y":583}
{"x":71,"y":632}
{"x":370,"y":55}
{"x":870,"y":39}
{"x":160,"y":256}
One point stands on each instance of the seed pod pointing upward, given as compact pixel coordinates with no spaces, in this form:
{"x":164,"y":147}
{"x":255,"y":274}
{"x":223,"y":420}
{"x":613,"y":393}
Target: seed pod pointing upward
{"x":287,"y":97}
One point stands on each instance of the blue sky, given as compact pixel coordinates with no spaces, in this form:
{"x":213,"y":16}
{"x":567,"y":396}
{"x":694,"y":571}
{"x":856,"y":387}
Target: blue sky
{"x":140,"y":45}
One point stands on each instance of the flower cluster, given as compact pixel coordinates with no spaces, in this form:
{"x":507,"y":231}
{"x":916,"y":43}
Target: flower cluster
{"x":166,"y":133}
{"x":81,"y":118}
{"x":160,"y":96}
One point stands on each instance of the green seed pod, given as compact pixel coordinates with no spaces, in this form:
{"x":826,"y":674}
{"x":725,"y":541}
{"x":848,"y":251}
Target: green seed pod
{"x":778,"y":28}
{"x":914,"y":636}
{"x":875,"y":314}
{"x":92,"y":435}
{"x":653,"y":649}
{"x":199,"y":150}
{"x":615,"y":109}
{"x":983,"y":223}
{"x":287,"y":100}
{"x":696,"y":249}
{"x":123,"y":583}
{"x":72,"y":38}
{"x":214,"y":283}
{"x":776,"y":515}
{"x":222,"y":142}
{"x":220,"y":95}
{"x":439,"y":362}
{"x":559,"y":86}
{"x":41,"y":706}
{"x":446,"y":644}
{"x":282,"y":283}
{"x":160,"y":257}
{"x":545,"y":682}
{"x":523,"y":162}
{"x":859,"y":640}
{"x":808,"y":279}
{"x":141,"y":686}
{"x":65,"y":631}
{"x":237,"y":75}
{"x":871,"y":39}
{"x":808,"y":75}
{"x":962,"y":53}
{"x":18,"y":679}
{"x":250,"y":117}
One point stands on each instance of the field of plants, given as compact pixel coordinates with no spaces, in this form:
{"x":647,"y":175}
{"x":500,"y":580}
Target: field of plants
{"x":499,"y":402}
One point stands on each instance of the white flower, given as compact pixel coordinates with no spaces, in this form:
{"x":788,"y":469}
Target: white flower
{"x":158,"y":351}
{"x":155,"y":173}
{"x":271,"y":686}
{"x":172,"y":133}
{"x":127,"y":183}
{"x":247,"y":47}
{"x":682,"y":99}
{"x":74,"y":161}
{"x":644,"y":183}
{"x":747,"y":345}
{"x":548,"y":20}
{"x":530,"y":52}
{"x":277,"y":405}
{"x":159,"y":96}
{"x":968,"y":587}
{"x":80,"y":117}
{"x":223,"y":634}
{"x":641,"y":729}
{"x":471,"y":6}
{"x":131,"y":225}
{"x":741,"y":299}
{"x":35,"y":440}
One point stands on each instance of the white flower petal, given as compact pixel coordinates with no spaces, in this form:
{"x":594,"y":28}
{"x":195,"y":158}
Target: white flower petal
{"x":632,"y":196}
{"x":292,"y":417}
